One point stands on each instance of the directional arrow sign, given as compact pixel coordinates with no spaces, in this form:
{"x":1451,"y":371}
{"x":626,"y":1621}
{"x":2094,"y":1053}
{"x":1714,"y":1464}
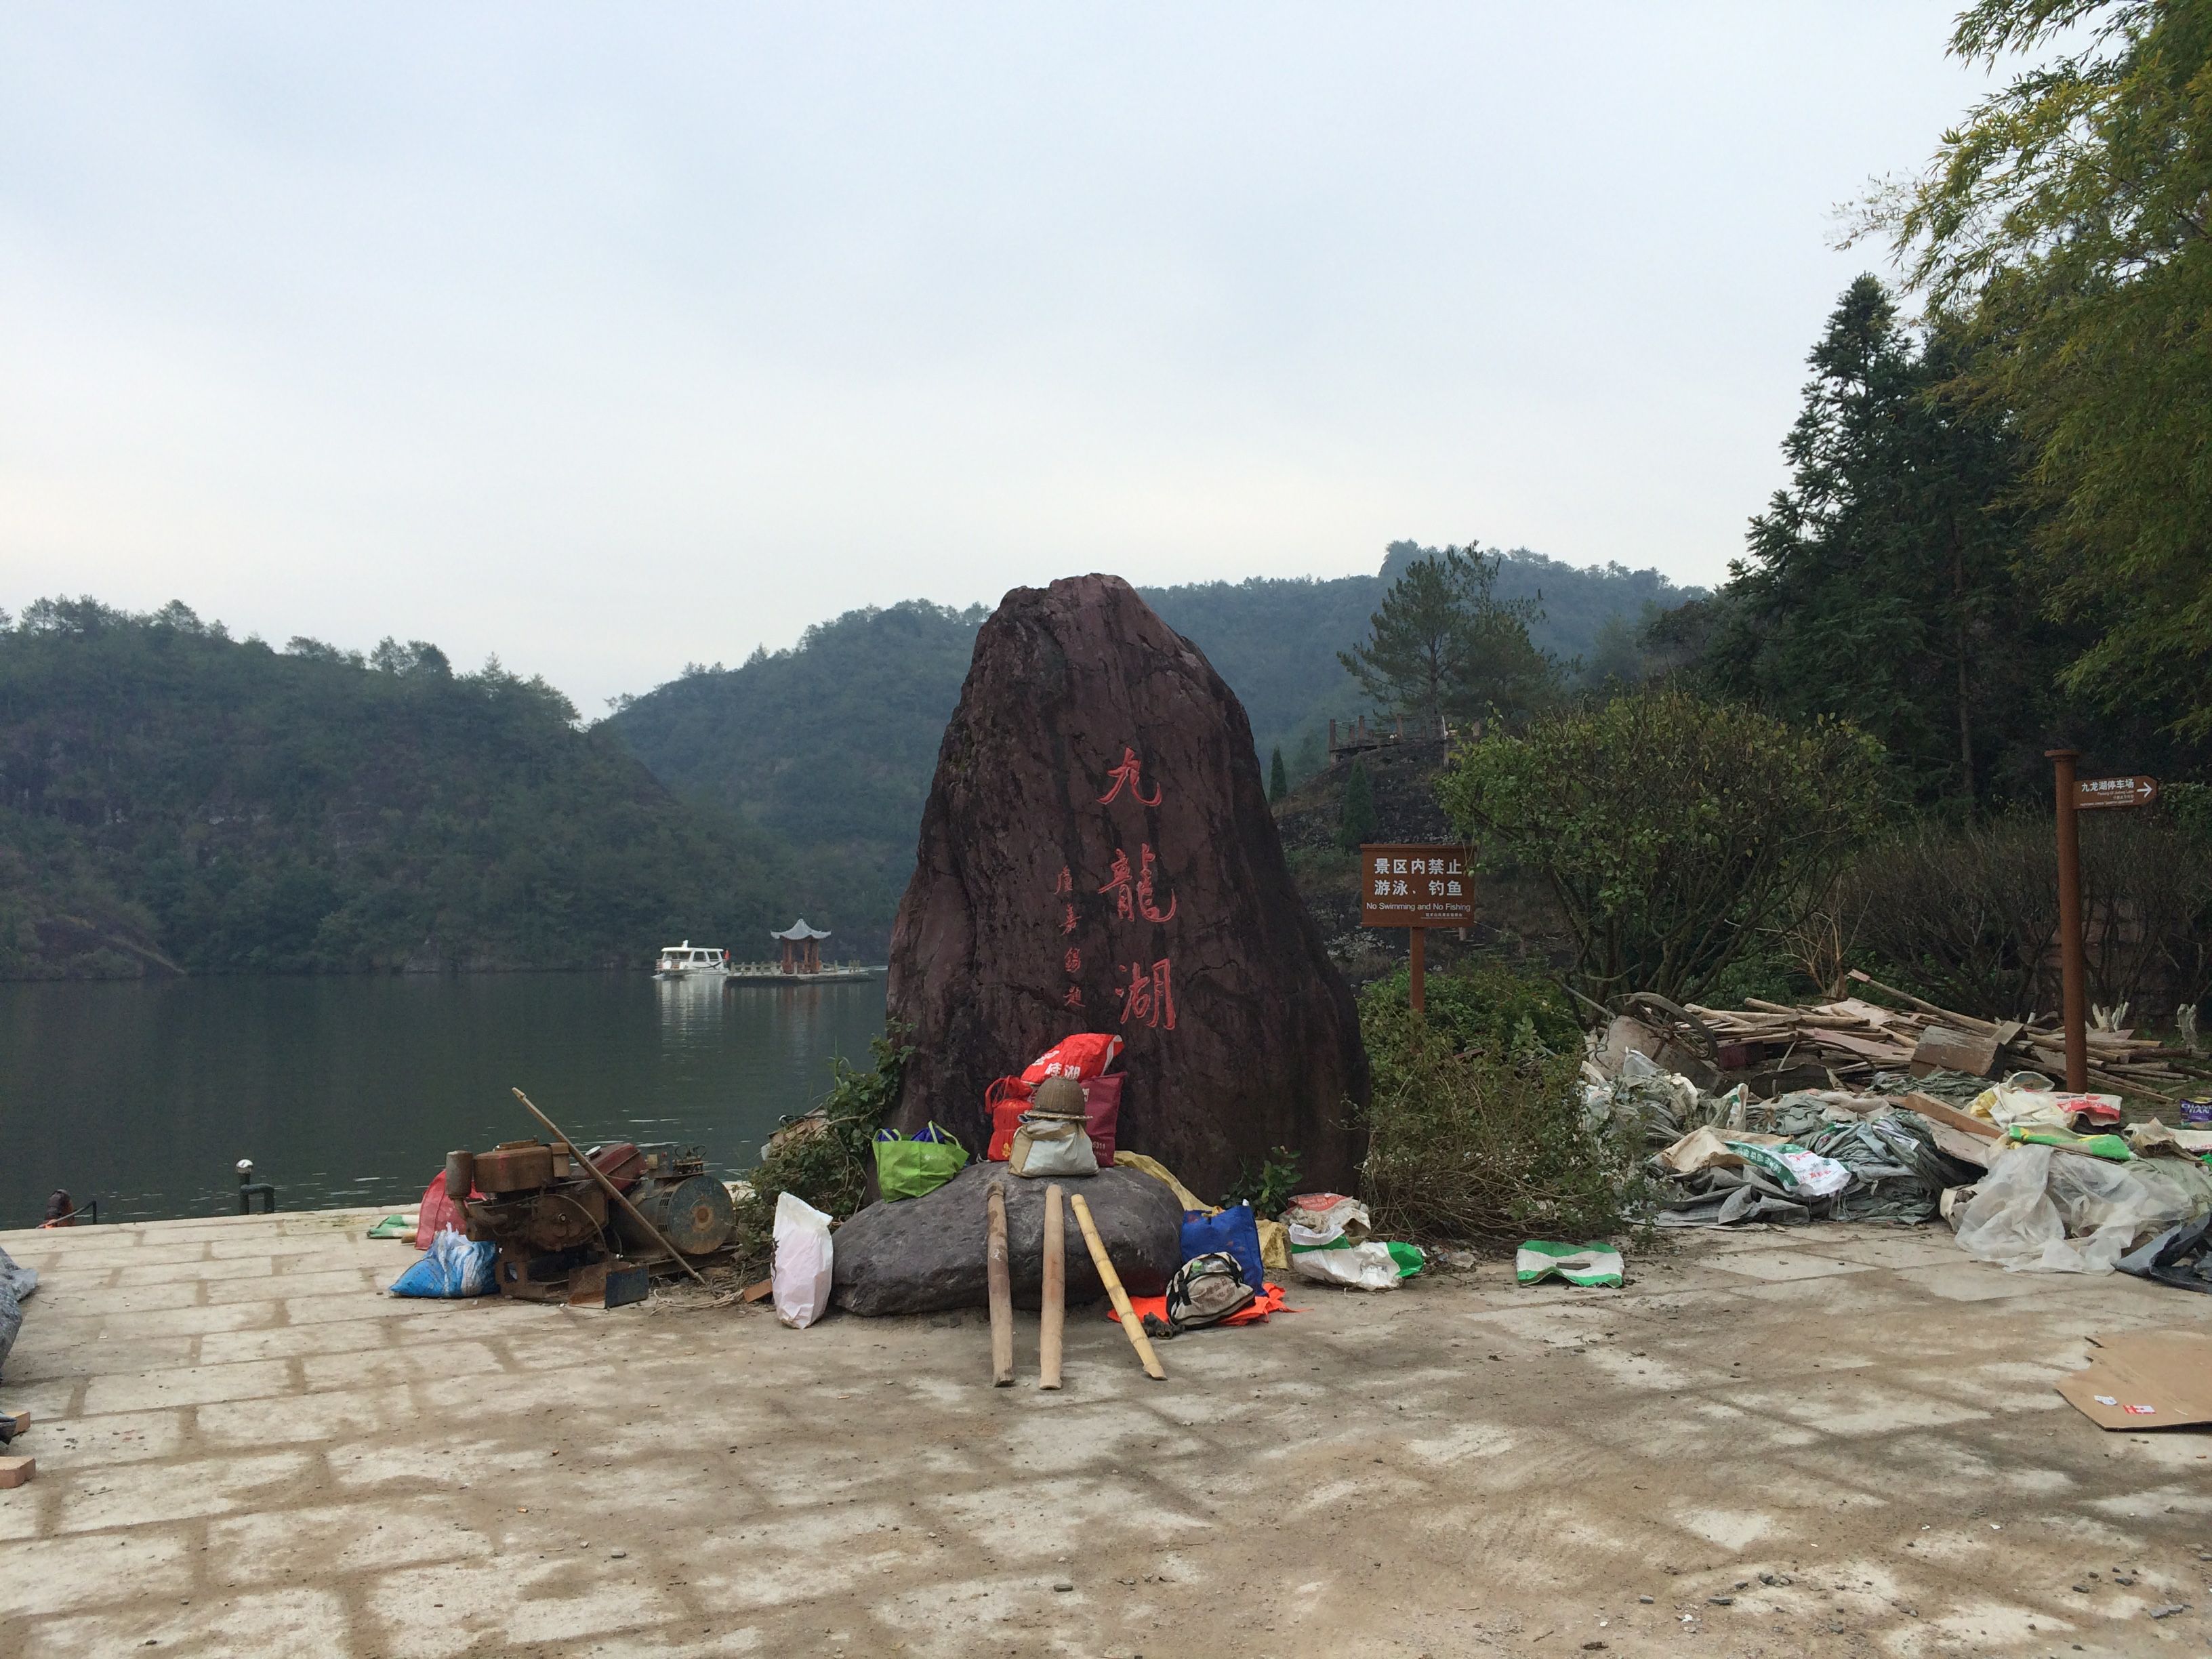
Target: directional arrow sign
{"x":2114,"y":792}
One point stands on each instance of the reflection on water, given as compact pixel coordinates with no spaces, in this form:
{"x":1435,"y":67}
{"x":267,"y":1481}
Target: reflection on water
{"x":144,"y":1094}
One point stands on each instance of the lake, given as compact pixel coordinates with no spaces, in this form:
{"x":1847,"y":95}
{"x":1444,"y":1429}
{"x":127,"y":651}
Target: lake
{"x":144,"y":1094}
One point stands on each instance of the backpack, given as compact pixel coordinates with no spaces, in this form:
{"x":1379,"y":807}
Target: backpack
{"x":1205,"y":1290}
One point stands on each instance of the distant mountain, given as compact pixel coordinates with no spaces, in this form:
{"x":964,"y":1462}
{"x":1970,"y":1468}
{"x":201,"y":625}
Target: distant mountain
{"x":831,"y":744}
{"x":172,"y":797}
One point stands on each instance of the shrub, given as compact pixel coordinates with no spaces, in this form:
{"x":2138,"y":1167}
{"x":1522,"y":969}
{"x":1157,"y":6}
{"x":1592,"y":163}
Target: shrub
{"x":1964,"y":916}
{"x":1673,"y":832}
{"x":826,"y":1156}
{"x":1969,"y":917}
{"x":1476,"y":1128}
{"x":1270,"y":1188}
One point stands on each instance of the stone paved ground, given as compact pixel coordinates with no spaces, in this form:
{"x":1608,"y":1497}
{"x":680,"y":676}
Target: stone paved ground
{"x":243,"y":1447}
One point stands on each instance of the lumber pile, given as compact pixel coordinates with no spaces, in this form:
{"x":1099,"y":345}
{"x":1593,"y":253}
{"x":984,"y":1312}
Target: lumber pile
{"x":1855,"y":1037}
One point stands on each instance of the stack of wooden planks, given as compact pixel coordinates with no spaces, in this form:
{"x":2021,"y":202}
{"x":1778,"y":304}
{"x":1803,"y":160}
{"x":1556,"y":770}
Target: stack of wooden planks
{"x":1855,"y":1039}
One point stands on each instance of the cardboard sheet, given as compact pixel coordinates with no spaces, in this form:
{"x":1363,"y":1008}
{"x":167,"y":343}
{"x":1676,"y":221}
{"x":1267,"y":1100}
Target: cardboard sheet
{"x":2145,"y":1380}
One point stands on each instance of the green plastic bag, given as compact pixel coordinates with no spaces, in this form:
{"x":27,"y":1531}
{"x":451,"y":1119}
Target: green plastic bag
{"x":1578,"y":1264}
{"x":909,"y":1169}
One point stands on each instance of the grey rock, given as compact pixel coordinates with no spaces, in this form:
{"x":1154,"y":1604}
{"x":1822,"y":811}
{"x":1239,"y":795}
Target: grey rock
{"x":926,"y":1254}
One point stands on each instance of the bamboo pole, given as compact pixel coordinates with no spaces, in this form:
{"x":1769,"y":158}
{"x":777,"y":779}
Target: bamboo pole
{"x":615,"y":1193}
{"x":998,"y":1275}
{"x":1112,"y":1281}
{"x":1052,"y":1308}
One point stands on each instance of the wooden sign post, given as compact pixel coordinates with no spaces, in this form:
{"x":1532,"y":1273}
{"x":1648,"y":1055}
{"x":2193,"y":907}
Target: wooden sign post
{"x":2075,"y":795}
{"x":1417,"y":888}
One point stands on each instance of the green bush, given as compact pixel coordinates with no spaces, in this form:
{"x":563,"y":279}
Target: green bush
{"x":826,"y":1157}
{"x":1476,"y":1128}
{"x":1269,"y":1188}
{"x":1673,"y":832}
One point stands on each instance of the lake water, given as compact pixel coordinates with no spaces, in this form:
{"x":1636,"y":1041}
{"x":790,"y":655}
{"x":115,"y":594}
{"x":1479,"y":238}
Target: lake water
{"x":144,"y":1094}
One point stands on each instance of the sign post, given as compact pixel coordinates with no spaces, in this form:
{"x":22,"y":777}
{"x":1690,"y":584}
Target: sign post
{"x":1417,"y":888}
{"x":2075,"y":795}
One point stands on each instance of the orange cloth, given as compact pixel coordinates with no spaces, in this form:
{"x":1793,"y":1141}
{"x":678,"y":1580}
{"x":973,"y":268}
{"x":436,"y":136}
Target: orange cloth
{"x":1270,"y":1300}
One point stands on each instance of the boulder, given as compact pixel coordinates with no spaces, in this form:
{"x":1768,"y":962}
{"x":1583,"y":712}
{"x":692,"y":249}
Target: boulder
{"x":926,"y":1254}
{"x":1098,"y":854}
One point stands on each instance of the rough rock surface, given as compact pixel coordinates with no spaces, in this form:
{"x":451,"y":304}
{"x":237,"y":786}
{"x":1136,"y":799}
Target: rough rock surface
{"x":926,"y":1254}
{"x":1098,"y":854}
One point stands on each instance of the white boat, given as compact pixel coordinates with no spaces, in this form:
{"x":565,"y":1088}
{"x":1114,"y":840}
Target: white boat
{"x":682,"y":961}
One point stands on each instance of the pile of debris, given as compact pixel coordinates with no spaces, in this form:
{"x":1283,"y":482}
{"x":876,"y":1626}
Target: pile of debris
{"x":1852,"y":1039}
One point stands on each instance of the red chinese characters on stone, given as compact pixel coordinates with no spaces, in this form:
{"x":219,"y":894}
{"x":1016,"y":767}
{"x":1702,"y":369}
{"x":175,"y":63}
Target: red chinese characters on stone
{"x":1145,"y":907}
{"x":1129,"y":773}
{"x":1066,"y":882}
{"x":1073,"y":999}
{"x":1117,"y":883}
{"x":1149,"y":998}
{"x":1074,"y":962}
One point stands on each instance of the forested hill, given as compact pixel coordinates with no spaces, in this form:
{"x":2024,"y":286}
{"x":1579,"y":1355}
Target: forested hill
{"x":831,"y":744}
{"x":171,"y":797}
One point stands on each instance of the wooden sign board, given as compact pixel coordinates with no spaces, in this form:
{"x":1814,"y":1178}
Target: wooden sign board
{"x":2113,"y":791}
{"x":1408,"y":886}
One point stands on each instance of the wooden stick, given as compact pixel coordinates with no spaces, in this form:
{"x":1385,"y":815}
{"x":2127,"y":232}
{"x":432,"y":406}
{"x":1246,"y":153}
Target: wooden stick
{"x":1000,"y":1280}
{"x":1949,"y":1016}
{"x":1112,"y":1281}
{"x":1052,"y":1312}
{"x":615,"y":1192}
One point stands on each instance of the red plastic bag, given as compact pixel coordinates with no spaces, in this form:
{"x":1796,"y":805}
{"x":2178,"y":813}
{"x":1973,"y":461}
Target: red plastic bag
{"x":1009,"y":1097}
{"x":1086,"y":1054}
{"x":1102,"y":1110}
{"x":439,"y":1213}
{"x":1005,"y":1102}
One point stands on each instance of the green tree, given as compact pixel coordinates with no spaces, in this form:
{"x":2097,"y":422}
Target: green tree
{"x":170,"y":797}
{"x":1278,"y":779}
{"x":1444,"y":644}
{"x":1357,"y":822}
{"x":1878,"y":586}
{"x":2064,"y":226}
{"x":1672,"y":832}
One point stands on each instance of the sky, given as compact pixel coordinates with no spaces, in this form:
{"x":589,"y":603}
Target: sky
{"x":607,"y":338}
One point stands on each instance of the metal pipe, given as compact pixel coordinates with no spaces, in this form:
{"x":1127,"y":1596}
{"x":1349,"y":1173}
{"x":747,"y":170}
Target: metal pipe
{"x":2074,"y":966}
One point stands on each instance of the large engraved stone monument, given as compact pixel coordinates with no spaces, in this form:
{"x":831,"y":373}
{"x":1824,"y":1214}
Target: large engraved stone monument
{"x":1097,"y":855}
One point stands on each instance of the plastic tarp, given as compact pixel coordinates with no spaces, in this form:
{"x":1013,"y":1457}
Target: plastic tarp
{"x":2042,"y":1210}
{"x":15,"y":1285}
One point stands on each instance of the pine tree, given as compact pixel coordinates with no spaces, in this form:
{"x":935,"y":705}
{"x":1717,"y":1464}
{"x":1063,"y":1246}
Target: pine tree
{"x":1879,"y":586}
{"x":1443,"y":643}
{"x":1278,"y":780}
{"x":1358,"y":822}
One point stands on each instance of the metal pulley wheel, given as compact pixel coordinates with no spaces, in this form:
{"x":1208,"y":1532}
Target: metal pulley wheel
{"x":694,"y":1214}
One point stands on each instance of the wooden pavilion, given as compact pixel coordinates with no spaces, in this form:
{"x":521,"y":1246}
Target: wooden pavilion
{"x":802,"y":947}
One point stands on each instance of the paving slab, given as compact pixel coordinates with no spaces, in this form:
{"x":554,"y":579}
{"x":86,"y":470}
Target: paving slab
{"x":1849,"y":1433}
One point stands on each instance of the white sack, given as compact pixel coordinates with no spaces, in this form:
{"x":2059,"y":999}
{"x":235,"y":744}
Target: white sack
{"x":800,"y":1277}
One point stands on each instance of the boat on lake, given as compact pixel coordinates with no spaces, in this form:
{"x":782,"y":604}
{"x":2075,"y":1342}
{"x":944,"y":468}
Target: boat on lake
{"x":684,"y":960}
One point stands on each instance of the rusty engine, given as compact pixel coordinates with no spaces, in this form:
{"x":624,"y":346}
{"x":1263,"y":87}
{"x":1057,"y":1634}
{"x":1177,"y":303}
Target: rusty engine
{"x":560,"y":1238}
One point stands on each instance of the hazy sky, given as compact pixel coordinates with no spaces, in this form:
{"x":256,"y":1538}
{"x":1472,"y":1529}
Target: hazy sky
{"x":610,"y":336}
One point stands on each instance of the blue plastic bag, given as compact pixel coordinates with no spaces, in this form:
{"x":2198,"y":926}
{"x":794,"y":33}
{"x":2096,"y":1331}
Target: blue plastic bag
{"x":451,"y":1267}
{"x":1234,"y":1232}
